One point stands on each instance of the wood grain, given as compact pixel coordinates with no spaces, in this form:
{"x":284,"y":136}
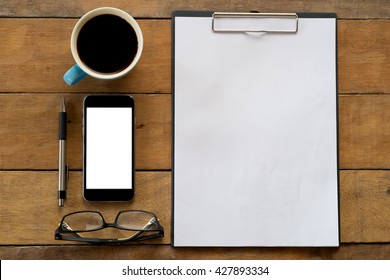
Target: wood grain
{"x":364,"y":56}
{"x":29,"y":213}
{"x":364,"y":206}
{"x":38,"y":66}
{"x":29,"y":204}
{"x":28,"y":138}
{"x":166,"y":252}
{"x":35,"y":54}
{"x":163,"y":9}
{"x":364,"y":132}
{"x":29,"y":131}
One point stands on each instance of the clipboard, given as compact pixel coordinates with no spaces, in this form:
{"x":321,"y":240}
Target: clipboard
{"x":255,"y":139}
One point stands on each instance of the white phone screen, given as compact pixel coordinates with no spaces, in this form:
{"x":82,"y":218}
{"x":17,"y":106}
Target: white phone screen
{"x":109,"y":148}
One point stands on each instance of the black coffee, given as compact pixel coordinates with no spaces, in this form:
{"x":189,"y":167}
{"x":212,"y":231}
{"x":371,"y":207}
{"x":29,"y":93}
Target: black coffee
{"x":107,"y":44}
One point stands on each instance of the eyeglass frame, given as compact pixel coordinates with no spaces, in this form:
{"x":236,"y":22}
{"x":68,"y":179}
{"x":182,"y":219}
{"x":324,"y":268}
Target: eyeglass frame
{"x":136,"y":237}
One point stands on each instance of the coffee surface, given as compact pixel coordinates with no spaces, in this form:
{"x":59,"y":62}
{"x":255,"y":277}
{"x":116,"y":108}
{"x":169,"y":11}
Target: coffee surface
{"x":107,"y":44}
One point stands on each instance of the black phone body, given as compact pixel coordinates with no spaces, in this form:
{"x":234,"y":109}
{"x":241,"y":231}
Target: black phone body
{"x":108,"y":148}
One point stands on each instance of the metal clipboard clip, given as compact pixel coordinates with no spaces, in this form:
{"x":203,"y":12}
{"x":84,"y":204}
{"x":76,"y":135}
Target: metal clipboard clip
{"x":289,"y":25}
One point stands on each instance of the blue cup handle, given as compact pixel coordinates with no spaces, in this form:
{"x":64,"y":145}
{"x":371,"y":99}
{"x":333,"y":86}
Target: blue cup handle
{"x":74,"y":75}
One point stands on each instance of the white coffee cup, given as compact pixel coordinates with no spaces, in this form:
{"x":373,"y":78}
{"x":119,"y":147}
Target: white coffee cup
{"x":84,"y":66}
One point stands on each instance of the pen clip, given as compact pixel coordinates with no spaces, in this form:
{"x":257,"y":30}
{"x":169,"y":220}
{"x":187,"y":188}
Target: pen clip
{"x":66,"y":176}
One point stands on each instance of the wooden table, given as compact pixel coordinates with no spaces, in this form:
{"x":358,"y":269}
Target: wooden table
{"x":35,"y":53}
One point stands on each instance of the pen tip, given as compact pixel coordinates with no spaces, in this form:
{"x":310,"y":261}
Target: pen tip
{"x":63,"y":105}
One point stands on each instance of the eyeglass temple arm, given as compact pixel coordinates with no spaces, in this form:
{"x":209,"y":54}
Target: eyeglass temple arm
{"x":65,"y":225}
{"x":159,"y":233}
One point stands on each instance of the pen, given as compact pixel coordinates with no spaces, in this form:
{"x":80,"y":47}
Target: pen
{"x":62,"y":167}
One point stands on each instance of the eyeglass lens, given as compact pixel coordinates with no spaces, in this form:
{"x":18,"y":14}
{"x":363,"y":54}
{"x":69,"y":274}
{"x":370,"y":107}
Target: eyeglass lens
{"x":83,"y":221}
{"x":137,"y":220}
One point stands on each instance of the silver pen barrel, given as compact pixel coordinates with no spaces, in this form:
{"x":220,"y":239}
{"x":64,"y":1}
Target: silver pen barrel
{"x":62,"y":173}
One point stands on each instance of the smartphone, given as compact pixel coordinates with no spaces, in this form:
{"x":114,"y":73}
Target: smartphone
{"x":108,"y":148}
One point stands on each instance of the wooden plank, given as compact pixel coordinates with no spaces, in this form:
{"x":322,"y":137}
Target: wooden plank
{"x":364,"y":131}
{"x":38,"y":66}
{"x":29,"y":131}
{"x":364,"y":56}
{"x":158,"y":8}
{"x":35,"y":54}
{"x":364,"y":208}
{"x":29,"y":204}
{"x":166,"y":252}
{"x":29,"y":213}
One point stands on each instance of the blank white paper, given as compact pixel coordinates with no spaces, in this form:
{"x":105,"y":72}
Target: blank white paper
{"x":255,"y":136}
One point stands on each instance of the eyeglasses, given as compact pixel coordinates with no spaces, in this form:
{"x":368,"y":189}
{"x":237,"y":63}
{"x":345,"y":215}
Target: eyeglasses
{"x":90,"y":226}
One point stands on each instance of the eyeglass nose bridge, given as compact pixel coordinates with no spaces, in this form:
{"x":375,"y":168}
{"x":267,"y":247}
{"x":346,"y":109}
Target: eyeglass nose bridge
{"x":111,"y":225}
{"x":114,"y":225}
